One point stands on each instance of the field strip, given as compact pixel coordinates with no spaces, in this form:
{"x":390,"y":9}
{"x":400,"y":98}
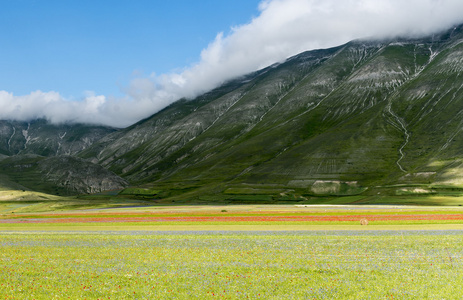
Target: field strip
{"x":122,"y":227}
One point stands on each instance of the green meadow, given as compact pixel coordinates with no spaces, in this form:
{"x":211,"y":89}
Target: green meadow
{"x":322,"y":264}
{"x":70,"y":248}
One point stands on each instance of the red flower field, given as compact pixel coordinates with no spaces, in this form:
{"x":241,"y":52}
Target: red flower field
{"x":264,"y":216}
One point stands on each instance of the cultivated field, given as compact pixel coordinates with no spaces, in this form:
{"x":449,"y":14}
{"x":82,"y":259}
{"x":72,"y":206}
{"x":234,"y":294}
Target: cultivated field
{"x":233,"y":252}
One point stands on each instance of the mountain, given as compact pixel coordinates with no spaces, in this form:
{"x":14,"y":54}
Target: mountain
{"x":366,"y":118}
{"x":42,"y":138}
{"x":38,"y":155}
{"x":59,"y":175}
{"x":334,"y":121}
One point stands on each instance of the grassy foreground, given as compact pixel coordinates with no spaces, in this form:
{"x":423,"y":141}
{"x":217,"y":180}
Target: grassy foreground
{"x":231,"y":252}
{"x":232,"y":265}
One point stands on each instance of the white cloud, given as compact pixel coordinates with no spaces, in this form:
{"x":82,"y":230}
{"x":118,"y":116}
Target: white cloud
{"x":283,"y":28}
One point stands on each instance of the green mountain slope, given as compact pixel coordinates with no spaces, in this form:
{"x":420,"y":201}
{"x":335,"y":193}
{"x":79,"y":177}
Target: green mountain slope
{"x":328,"y":122}
{"x":368,"y":118}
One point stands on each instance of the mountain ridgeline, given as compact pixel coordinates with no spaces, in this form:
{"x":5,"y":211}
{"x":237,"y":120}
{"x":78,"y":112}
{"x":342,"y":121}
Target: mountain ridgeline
{"x":41,"y":138}
{"x":355,"y":119}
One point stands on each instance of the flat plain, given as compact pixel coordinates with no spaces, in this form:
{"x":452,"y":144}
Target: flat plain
{"x":232,"y":252}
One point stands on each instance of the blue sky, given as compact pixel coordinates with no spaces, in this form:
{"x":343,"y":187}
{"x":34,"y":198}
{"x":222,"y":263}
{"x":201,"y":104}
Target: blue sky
{"x":116,"y":62}
{"x":75,"y":46}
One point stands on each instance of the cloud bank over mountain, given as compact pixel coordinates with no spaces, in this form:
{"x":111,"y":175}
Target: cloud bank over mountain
{"x":283,"y":28}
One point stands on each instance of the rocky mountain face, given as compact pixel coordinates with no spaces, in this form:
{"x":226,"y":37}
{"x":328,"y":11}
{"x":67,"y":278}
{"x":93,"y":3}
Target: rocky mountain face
{"x":42,"y":138}
{"x":60,"y":175}
{"x":38,"y":155}
{"x":339,"y":121}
